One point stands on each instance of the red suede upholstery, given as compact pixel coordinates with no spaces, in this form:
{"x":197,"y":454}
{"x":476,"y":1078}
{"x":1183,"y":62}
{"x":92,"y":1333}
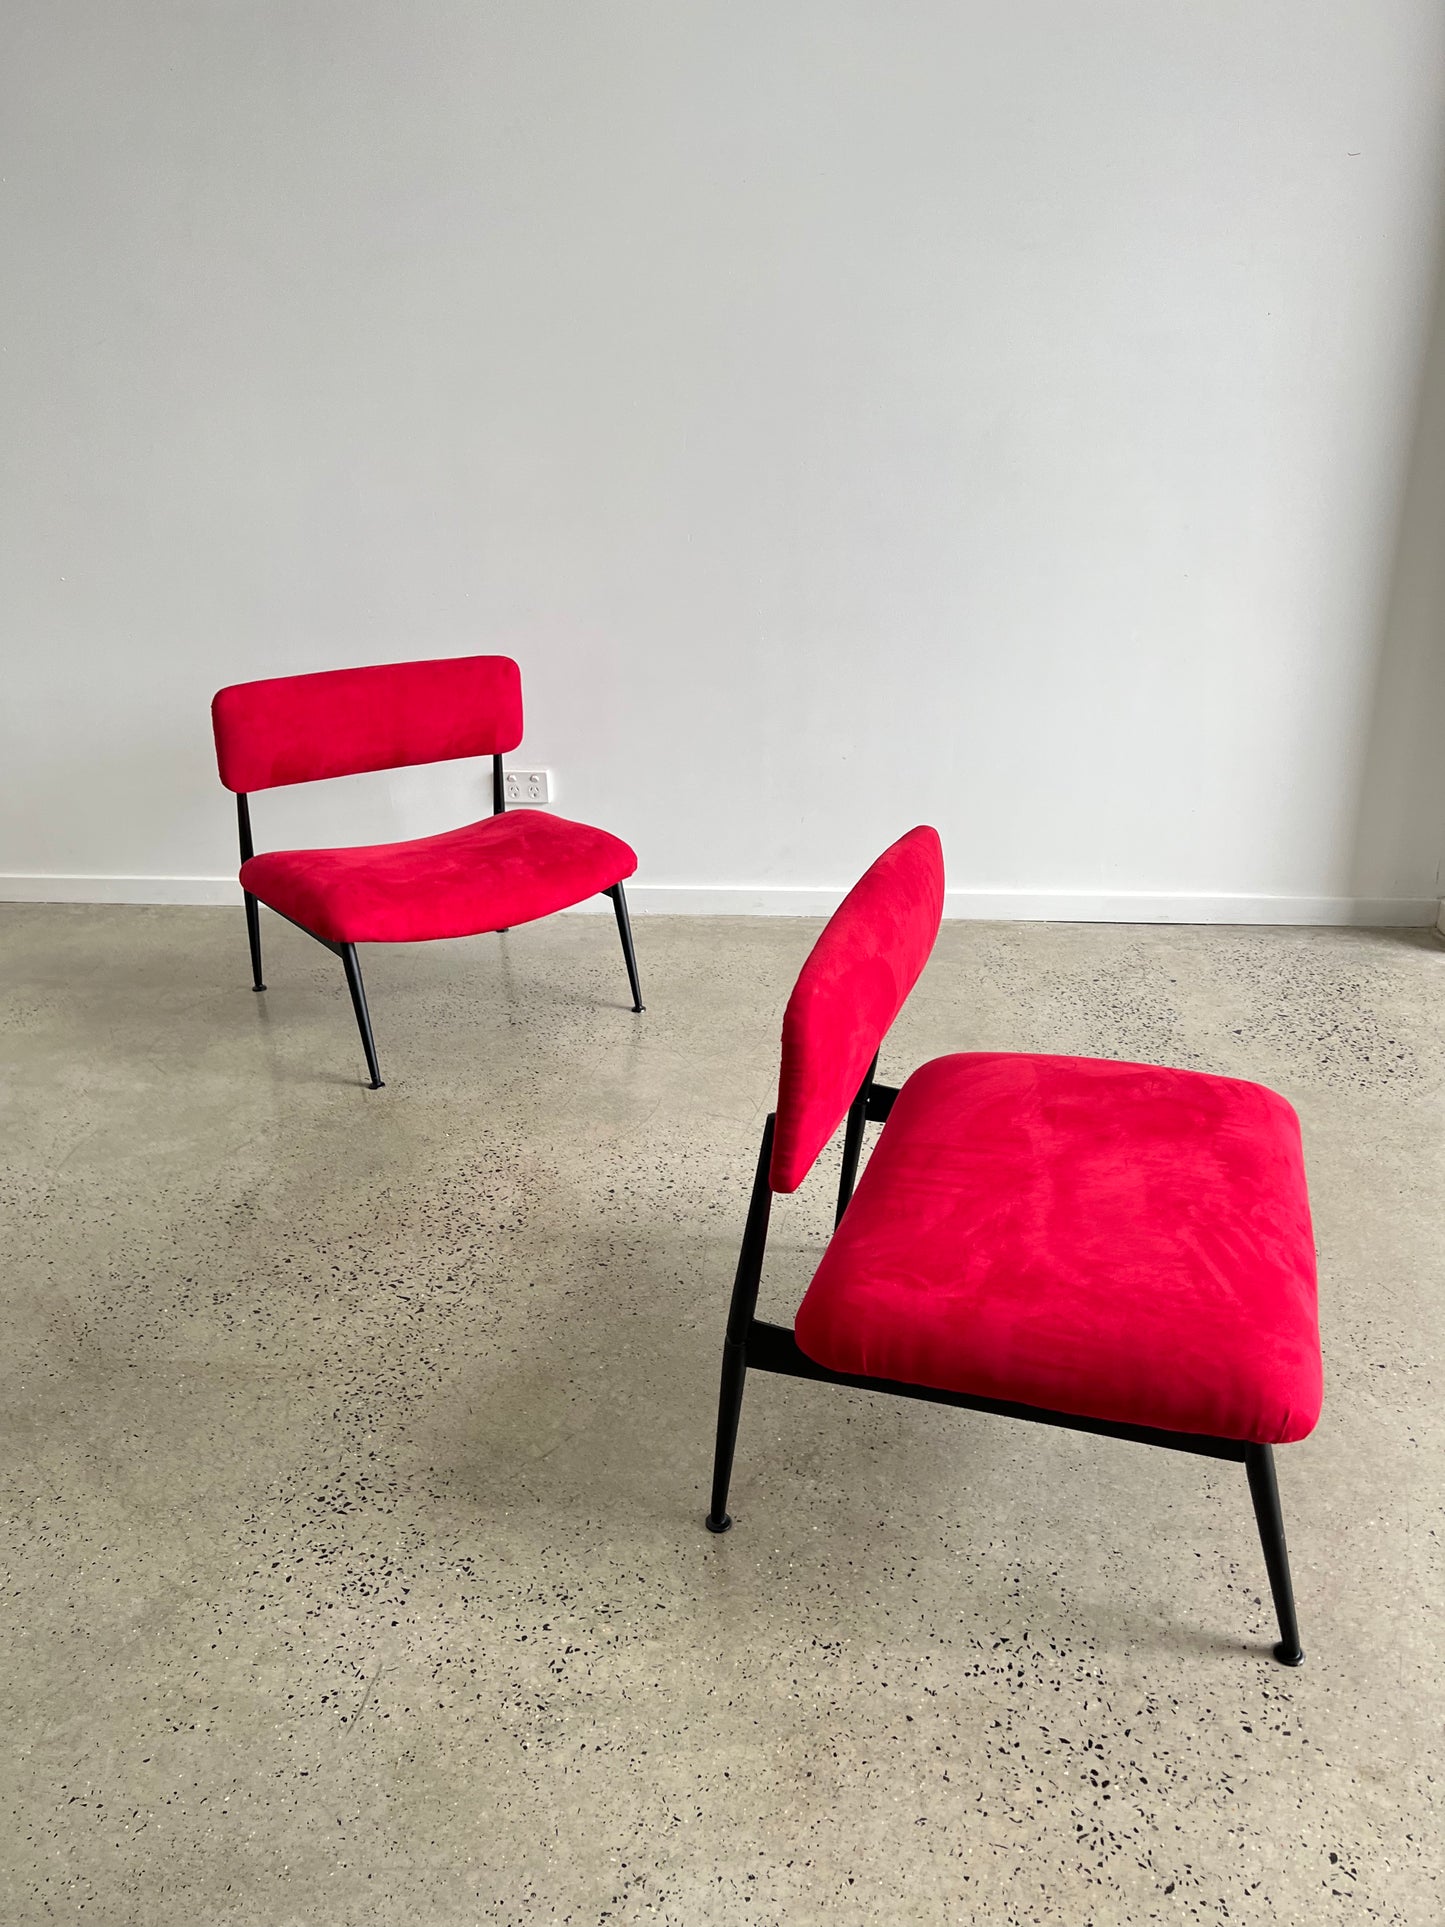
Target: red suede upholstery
{"x":504,"y":870}
{"x":1113,"y":1240}
{"x":293,"y":729}
{"x":853,"y":985}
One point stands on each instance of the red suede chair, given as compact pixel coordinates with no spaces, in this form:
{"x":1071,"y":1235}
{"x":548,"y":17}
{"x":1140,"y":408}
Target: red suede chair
{"x":1118,"y":1248}
{"x":487,"y":876}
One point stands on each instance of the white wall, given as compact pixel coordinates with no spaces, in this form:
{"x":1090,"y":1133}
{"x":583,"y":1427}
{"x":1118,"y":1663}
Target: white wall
{"x":850,"y":414}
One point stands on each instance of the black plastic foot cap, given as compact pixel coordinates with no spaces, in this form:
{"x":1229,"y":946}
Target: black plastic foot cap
{"x":1289,"y":1656}
{"x":379,"y":1085}
{"x":724,"y":1524}
{"x":258,"y":986}
{"x":637,"y":1009}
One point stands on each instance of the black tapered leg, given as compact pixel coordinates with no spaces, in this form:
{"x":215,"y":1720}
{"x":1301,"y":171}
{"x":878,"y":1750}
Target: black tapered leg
{"x":729,"y":1409}
{"x":624,"y":930}
{"x":1264,"y":1490}
{"x":735,"y":1346}
{"x":358,"y":1004}
{"x":253,"y":935}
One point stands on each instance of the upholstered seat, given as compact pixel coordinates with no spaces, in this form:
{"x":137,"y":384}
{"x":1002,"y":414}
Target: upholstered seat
{"x":502,"y":871}
{"x":1120,"y":1241}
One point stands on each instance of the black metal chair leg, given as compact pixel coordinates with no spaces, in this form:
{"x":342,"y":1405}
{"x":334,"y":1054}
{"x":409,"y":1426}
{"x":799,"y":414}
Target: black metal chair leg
{"x":624,"y":930}
{"x":253,"y":937}
{"x":853,"y":1144}
{"x":740,"y":1318}
{"x":1264,"y":1490}
{"x":358,"y":1004}
{"x":729,"y":1407}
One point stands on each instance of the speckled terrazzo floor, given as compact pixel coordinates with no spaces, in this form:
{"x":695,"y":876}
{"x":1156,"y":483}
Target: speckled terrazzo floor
{"x":355,"y":1450}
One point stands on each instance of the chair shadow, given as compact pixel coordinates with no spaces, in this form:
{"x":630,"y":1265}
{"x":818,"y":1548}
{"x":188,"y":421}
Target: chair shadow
{"x":625,"y":1491}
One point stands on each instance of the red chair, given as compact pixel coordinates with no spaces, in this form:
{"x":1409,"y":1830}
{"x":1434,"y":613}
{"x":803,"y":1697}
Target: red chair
{"x":1117,"y":1248}
{"x":487,"y":876}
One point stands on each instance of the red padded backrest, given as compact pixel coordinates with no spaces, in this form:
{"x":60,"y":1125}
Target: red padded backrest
{"x":293,"y":729}
{"x":855,"y":982}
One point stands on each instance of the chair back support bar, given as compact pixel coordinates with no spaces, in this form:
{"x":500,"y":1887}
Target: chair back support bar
{"x":296,"y":729}
{"x":854,"y":983}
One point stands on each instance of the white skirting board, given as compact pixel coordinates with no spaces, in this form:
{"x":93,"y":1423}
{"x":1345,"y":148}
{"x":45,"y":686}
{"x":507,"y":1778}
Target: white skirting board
{"x":742,"y":900}
{"x":1053,"y":906}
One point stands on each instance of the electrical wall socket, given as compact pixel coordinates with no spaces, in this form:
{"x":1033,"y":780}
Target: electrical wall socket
{"x":527,"y":785}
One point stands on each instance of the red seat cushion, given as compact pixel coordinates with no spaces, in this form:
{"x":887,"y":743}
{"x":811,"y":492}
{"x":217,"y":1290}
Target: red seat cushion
{"x":1116,"y":1241}
{"x":504,"y":870}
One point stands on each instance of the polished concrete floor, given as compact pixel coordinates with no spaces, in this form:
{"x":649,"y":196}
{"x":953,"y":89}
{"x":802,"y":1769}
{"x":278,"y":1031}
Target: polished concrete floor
{"x":355,"y":1452}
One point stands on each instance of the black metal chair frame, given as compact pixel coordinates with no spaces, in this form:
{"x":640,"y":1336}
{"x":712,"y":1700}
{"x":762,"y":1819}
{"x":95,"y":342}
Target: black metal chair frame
{"x":347,"y":951}
{"x":753,"y":1344}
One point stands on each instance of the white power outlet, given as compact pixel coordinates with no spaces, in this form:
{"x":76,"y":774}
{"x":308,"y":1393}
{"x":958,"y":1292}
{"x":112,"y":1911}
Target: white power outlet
{"x":527,"y":785}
